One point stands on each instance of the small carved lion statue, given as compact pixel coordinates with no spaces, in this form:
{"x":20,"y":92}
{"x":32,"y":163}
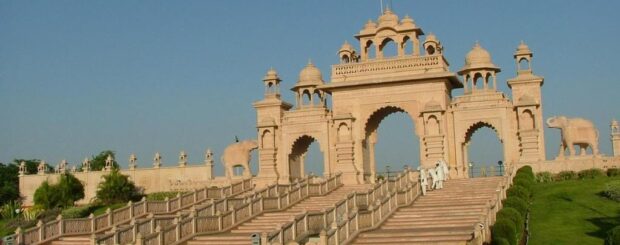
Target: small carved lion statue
{"x":238,"y":154}
{"x":575,"y":131}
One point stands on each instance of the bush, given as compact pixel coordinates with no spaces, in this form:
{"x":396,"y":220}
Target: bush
{"x":32,"y":213}
{"x":47,"y":196}
{"x":544,"y":177}
{"x":78,"y":212}
{"x":612,"y":190}
{"x":591,"y":173}
{"x":117,"y":188}
{"x":524,"y":182}
{"x":565,"y":175}
{"x":513,"y":215}
{"x":504,"y":229}
{"x":516,"y":203}
{"x":519,"y":191}
{"x":527,"y":171}
{"x":613,"y":236}
{"x":500,"y":241}
{"x":160,"y":196}
{"x":613,"y":172}
{"x":7,"y":211}
{"x":68,"y":190}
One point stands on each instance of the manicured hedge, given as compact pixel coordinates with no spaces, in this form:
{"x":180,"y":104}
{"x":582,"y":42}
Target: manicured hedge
{"x":516,"y":203}
{"x":544,"y":177}
{"x":566,"y":175}
{"x":504,"y":229}
{"x":513,"y":215}
{"x":527,"y":171}
{"x":524,"y":182}
{"x":591,"y":173}
{"x":519,"y":191}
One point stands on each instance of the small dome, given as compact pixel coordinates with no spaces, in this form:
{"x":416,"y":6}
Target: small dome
{"x":388,"y":18}
{"x":370,"y":25}
{"x":478,"y":56}
{"x":407,"y":22}
{"x":272,"y":74}
{"x":346,"y":47}
{"x":310,"y":75}
{"x":431,"y":38}
{"x":523,"y":49}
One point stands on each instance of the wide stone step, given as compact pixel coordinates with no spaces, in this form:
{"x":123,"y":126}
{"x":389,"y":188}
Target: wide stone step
{"x":451,"y":217}
{"x":407,"y":240}
{"x":416,"y":232}
{"x":444,"y":223}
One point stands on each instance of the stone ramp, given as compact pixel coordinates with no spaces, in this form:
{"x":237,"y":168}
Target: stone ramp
{"x":442,"y":217}
{"x":268,"y":222}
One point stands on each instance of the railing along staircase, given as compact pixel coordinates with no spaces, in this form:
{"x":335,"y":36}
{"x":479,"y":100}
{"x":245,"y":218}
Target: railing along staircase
{"x":47,"y":232}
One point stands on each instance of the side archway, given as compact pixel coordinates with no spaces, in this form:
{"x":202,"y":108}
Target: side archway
{"x":297,"y":165}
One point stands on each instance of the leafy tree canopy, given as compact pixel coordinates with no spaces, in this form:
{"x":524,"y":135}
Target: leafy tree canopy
{"x":97,"y":162}
{"x":116,"y":188}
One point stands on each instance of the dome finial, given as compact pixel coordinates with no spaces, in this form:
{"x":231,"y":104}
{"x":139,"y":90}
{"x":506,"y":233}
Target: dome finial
{"x":310,"y":62}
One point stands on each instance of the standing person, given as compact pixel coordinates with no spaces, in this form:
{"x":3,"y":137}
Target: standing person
{"x":446,"y":171}
{"x":433,"y":174}
{"x":440,"y":175}
{"x":423,"y":180}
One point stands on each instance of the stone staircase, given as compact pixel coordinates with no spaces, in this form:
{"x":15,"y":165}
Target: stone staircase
{"x":271,"y":221}
{"x":72,"y":240}
{"x":442,"y":217}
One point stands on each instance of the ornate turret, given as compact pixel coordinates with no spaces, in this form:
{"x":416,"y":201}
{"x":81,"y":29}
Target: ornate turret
{"x":387,"y":29}
{"x":347,"y":54}
{"x":306,"y":87}
{"x":479,"y":68}
{"x":432,"y":45}
{"x":272,"y":84}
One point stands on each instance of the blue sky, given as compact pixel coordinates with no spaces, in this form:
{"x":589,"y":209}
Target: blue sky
{"x":78,"y":77}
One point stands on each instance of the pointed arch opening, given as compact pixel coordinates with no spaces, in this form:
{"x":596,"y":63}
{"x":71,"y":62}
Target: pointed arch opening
{"x":390,"y":143}
{"x":483,"y":150}
{"x":305,"y":158}
{"x":524,"y":64}
{"x":388,"y":48}
{"x":370,"y":50}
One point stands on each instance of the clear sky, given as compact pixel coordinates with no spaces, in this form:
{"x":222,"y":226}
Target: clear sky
{"x":78,"y":77}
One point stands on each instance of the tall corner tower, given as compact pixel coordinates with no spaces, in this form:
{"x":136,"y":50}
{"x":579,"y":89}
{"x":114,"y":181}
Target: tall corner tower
{"x":527,"y":101}
{"x":269,"y":113}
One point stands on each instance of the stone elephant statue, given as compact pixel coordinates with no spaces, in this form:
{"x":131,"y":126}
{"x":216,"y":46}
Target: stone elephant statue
{"x":238,"y":154}
{"x":575,"y":131}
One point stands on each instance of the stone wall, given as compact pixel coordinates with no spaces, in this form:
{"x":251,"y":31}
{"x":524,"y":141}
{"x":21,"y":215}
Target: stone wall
{"x":574,"y":164}
{"x":177,"y":178}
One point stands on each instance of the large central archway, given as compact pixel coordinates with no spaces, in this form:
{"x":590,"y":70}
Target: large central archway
{"x":405,"y":145}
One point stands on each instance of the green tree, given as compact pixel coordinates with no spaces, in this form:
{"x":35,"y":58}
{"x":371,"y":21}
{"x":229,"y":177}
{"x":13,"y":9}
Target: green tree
{"x":9,"y":183}
{"x":70,"y":188}
{"x":64,"y":194}
{"x":47,"y":196}
{"x":116,"y":188}
{"x":97,"y":162}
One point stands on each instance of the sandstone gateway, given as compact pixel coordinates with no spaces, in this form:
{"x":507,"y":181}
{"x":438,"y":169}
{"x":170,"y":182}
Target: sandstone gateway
{"x":282,"y":204}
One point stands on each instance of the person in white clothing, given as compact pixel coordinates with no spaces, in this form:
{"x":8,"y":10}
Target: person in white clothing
{"x":433,"y":174}
{"x":440,"y":176}
{"x":446,"y":171}
{"x":423,"y":180}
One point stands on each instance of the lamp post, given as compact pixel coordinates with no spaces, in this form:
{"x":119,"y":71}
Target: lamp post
{"x":471,"y":169}
{"x":387,"y":172}
{"x":501,"y":168}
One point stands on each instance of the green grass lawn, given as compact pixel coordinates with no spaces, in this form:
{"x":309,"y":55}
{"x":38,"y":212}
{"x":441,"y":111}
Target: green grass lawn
{"x":572,"y":212}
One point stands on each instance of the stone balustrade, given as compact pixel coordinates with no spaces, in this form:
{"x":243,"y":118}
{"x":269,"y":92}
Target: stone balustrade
{"x":408,"y":64}
{"x":482,"y":233}
{"x":45,"y":232}
{"x":346,"y":218}
{"x":272,"y":198}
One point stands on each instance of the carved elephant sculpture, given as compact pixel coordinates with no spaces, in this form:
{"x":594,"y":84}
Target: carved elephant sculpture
{"x":238,"y":154}
{"x":575,"y":131}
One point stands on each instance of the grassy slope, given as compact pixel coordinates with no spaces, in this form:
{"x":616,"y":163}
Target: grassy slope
{"x":572,"y":212}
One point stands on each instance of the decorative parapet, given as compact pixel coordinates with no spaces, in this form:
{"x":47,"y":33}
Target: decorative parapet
{"x":408,"y":65}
